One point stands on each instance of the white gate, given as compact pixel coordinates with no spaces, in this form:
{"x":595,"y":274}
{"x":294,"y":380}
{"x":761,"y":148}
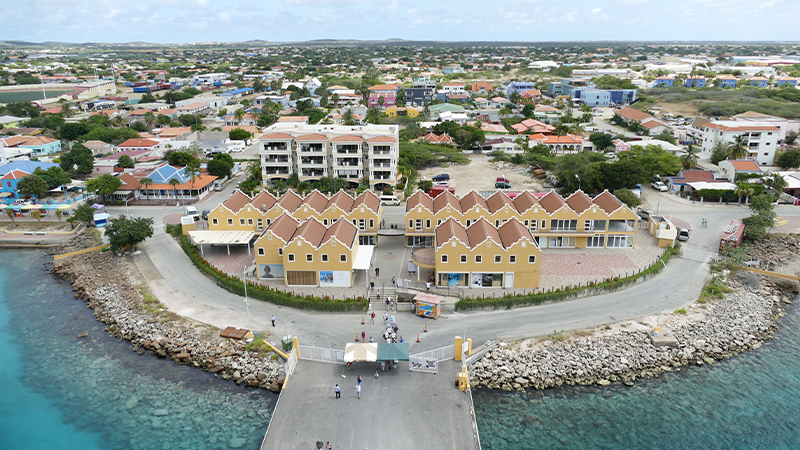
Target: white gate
{"x":429,"y":361}
{"x":328,"y":355}
{"x":291,"y":363}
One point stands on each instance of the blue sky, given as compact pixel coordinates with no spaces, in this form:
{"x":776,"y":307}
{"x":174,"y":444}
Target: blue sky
{"x":178,"y":21}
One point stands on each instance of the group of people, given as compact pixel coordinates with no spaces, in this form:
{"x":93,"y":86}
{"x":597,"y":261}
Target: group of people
{"x":320,"y":447}
{"x":704,"y":223}
{"x":386,"y":366}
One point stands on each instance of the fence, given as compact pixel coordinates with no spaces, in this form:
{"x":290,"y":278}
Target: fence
{"x":328,"y":355}
{"x":291,"y":363}
{"x":439,"y":354}
{"x":429,"y":361}
{"x":407,"y":286}
{"x":475,"y":435}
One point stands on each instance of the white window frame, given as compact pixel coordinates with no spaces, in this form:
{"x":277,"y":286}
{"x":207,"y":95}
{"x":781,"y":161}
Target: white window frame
{"x":214,"y":222}
{"x":343,"y":257}
{"x":498,"y":259}
{"x":324,"y":257}
{"x":444,"y":259}
{"x":532,"y":259}
{"x":478,"y":259}
{"x":512,"y":259}
{"x":291,"y":257}
{"x":463,"y":258}
{"x":260,"y":251}
{"x":309,"y":257}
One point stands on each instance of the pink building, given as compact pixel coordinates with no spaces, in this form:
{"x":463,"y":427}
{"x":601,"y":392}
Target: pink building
{"x":387,"y":92}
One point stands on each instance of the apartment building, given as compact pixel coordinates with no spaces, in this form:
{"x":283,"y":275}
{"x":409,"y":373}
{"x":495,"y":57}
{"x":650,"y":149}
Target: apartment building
{"x":308,"y":253}
{"x":243,"y":213}
{"x":554,"y":222}
{"x":762,"y":138}
{"x":313,"y":152}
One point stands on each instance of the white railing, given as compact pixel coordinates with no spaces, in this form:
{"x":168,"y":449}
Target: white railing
{"x":328,"y":355}
{"x":429,"y":365}
{"x":439,"y":354}
{"x":291,"y":363}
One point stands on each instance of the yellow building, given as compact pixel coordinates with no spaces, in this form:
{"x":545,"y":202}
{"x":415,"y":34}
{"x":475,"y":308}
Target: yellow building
{"x":241,"y":213}
{"x":575,"y":222}
{"x":394,"y":111}
{"x":308,"y":253}
{"x":483,"y":255}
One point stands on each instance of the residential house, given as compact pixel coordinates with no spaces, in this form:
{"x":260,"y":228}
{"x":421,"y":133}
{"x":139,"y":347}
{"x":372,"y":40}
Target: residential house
{"x":481,"y":102}
{"x":419,"y":94}
{"x":99,"y":147}
{"x":664,"y":82}
{"x":695,"y":82}
{"x":39,"y":145}
{"x":436,"y":110}
{"x":785,"y":125}
{"x":518,"y":87}
{"x":186,"y":189}
{"x":395,"y":111}
{"x":726,"y":81}
{"x":653,"y":124}
{"x":382,"y":95}
{"x":11,"y":121}
{"x":760,"y":82}
{"x":533,"y":95}
{"x":453,"y":89}
{"x":432,"y":138}
{"x":568,"y":143}
{"x":505,"y":145}
{"x":459,"y":118}
{"x":458,"y":98}
{"x":761,"y":137}
{"x":490,"y":129}
{"x":138,"y":144}
{"x":192,"y":108}
{"x":732,"y":168}
{"x":12,"y":172}
{"x":481,"y":88}
{"x":791,"y":81}
{"x":595,"y":97}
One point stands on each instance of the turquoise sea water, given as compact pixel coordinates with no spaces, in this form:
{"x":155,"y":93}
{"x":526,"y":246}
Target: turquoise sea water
{"x":61,"y":392}
{"x":751,"y":401}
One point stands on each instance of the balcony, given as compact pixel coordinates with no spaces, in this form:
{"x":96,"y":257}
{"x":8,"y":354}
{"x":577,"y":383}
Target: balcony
{"x":424,"y":257}
{"x":347,"y":162}
{"x":381,"y":163}
{"x":312,"y":162}
{"x":349,"y":174}
{"x":276,"y":148}
{"x":308,"y":173}
{"x":277,"y":160}
{"x":277,"y":171}
{"x":311,"y":148}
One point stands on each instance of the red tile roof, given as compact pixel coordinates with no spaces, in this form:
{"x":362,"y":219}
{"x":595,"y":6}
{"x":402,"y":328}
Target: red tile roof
{"x":133,"y":143}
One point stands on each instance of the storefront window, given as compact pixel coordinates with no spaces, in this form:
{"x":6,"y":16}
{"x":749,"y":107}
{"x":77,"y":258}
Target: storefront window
{"x":487,"y":279}
{"x":452,"y":279}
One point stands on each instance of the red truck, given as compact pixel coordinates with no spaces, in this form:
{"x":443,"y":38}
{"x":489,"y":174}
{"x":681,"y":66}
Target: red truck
{"x":436,"y":190}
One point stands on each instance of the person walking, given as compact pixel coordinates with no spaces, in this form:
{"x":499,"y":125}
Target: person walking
{"x":319,"y":444}
{"x":273,"y":320}
{"x":377,"y":272}
{"x":372,"y":317}
{"x":363,"y":336}
{"x":358,"y":391}
{"x":337,"y":391}
{"x":358,"y":380}
{"x":394,"y":280}
{"x":328,"y":447}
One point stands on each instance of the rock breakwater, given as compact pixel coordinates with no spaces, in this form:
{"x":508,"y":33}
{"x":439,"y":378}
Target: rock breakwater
{"x":107,"y":284}
{"x":739,"y":321}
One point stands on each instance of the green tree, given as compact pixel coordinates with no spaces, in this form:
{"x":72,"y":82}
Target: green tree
{"x":163,"y":120}
{"x":83,"y":213}
{"x":104,"y":185}
{"x":66,"y":111}
{"x":737,"y":149}
{"x":37,"y":215}
{"x":220,"y":168}
{"x":32,"y":185}
{"x":719,"y":152}
{"x":258,"y":85}
{"x":192,"y":170}
{"x":146,"y":182}
{"x":238,"y":134}
{"x":123,"y":232}
{"x":78,"y":160}
{"x":777,"y":183}
{"x":238,"y":115}
{"x":743,"y":189}
{"x":11,"y":215}
{"x":139,"y":126}
{"x":425,"y":185}
{"x":149,"y":119}
{"x":667,"y":137}
{"x":791,"y":136}
{"x":373,"y":115}
{"x":789,"y":159}
{"x":689,"y":158}
{"x":53,"y":176}
{"x":147,"y":98}
{"x":126,"y":162}
{"x":601,"y":140}
{"x":174,"y":182}
{"x":180,"y":158}
{"x":628,"y":197}
{"x":72,"y":130}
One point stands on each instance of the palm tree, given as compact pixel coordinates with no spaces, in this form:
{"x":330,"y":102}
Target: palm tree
{"x":347,"y":118}
{"x":744,"y":189}
{"x":174,"y":182}
{"x":117,"y":121}
{"x":37,"y":215}
{"x":11,"y":216}
{"x":246,"y":103}
{"x":777,"y":182}
{"x":65,"y":111}
{"x":146,"y":182}
{"x":689,"y":160}
{"x":149,"y":119}
{"x":239,"y":115}
{"x":59,"y":213}
{"x":192,"y":170}
{"x":504,"y":112}
{"x":738,"y":148}
{"x":253,"y":170}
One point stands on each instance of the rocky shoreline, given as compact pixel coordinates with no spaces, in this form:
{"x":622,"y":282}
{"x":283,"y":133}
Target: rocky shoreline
{"x":105,"y":283}
{"x":708,"y":332}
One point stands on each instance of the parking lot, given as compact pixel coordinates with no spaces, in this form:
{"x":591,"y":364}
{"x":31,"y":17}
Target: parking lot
{"x":480,"y":175}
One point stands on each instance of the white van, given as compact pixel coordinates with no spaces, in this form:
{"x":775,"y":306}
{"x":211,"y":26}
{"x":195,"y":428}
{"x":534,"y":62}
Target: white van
{"x":683,"y":234}
{"x":390,"y":200}
{"x":191,"y":211}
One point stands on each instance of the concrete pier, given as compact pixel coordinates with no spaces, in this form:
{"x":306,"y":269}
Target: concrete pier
{"x":399,"y":409}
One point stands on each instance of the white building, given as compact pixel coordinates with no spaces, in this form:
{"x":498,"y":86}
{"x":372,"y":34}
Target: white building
{"x":313,"y":84}
{"x":319,"y":151}
{"x":785,"y":125}
{"x":762,"y":138}
{"x":94,"y":89}
{"x":453,"y":89}
{"x":209,"y":78}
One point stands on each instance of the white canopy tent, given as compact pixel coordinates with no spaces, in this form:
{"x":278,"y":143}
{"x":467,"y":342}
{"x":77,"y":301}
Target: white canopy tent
{"x":361,"y":352}
{"x":363,"y":259}
{"x":227,"y":238}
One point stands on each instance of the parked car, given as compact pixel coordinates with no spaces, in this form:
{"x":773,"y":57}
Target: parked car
{"x":205,"y":214}
{"x":442,"y":183}
{"x":191,"y":211}
{"x":23,"y":202}
{"x":660,"y":186}
{"x":442,"y":177}
{"x":643,"y":213}
{"x":502,"y":185}
{"x":502,"y":179}
{"x":683,"y":234}
{"x":390,"y":200}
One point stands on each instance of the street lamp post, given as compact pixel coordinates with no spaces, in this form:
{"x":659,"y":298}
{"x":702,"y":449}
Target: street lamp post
{"x":464,"y":339}
{"x":661,"y":301}
{"x":659,"y":201}
{"x":579,"y":181}
{"x":247,"y":303}
{"x":127,"y":213}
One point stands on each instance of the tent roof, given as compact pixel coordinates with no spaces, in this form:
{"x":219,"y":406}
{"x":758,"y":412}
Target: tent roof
{"x":390,"y":352}
{"x":363,"y":257}
{"x":361,"y":352}
{"x":428,"y":298}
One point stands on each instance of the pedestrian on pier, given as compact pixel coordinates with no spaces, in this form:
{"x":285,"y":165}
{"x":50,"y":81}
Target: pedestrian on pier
{"x":337,"y":391}
{"x":363,"y":336}
{"x":358,"y":391}
{"x":373,"y":317}
{"x":319,"y":444}
{"x":394,"y":280}
{"x":377,"y":272}
{"x":358,"y":380}
{"x":328,"y":447}
{"x":273,"y":320}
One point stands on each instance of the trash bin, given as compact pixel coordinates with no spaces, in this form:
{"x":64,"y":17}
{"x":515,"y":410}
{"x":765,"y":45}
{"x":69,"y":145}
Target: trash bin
{"x":287,"y":342}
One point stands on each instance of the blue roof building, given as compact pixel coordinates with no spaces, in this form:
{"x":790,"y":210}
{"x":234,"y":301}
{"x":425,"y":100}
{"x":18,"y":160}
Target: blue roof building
{"x":25,"y":166}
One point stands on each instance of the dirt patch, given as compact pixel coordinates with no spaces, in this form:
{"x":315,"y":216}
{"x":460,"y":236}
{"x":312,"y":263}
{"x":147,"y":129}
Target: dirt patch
{"x":480,"y":175}
{"x":685,"y":109}
{"x":35,"y":226}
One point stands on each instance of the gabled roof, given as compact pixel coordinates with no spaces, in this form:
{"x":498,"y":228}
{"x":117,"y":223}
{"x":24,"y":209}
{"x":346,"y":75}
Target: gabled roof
{"x":525,"y":201}
{"x":343,"y":231}
{"x":315,"y":200}
{"x":263,"y":201}
{"x":342,"y":200}
{"x":444,"y":199}
{"x":481,"y":230}
{"x":236,"y":201}
{"x":381,"y":139}
{"x":579,"y":202}
{"x":384,"y":87}
{"x":312,"y":231}
{"x":512,"y":232}
{"x":36,"y":141}
{"x":632,"y":114}
{"x":290,"y":201}
{"x":129,"y":182}
{"x":138,"y":143}
{"x":471,"y":199}
{"x":451,"y":229}
{"x":14,"y":175}
{"x":348,"y":138}
{"x":497,"y":201}
{"x":419,"y":197}
{"x":284,"y":227}
{"x":552,"y":202}
{"x":744,"y":165}
{"x":607,"y":202}
{"x":368,"y":199}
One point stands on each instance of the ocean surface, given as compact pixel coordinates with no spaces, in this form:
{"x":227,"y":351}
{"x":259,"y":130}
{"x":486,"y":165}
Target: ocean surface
{"x":61,"y":392}
{"x":751,"y":401}
{"x":27,"y":96}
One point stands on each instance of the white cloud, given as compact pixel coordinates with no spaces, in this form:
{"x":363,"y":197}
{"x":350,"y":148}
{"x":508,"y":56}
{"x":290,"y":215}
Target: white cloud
{"x":225,"y":17}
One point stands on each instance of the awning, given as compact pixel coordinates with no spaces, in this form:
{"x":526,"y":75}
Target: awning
{"x":428,"y":298}
{"x":390,"y":352}
{"x":363,"y":257}
{"x":29,"y":207}
{"x":221,"y":237}
{"x":5,"y":194}
{"x":362,"y":352}
{"x":697,"y":185}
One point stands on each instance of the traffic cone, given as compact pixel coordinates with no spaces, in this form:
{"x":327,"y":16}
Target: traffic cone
{"x":426,"y":328}
{"x":362,"y":320}
{"x":417,"y":337}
